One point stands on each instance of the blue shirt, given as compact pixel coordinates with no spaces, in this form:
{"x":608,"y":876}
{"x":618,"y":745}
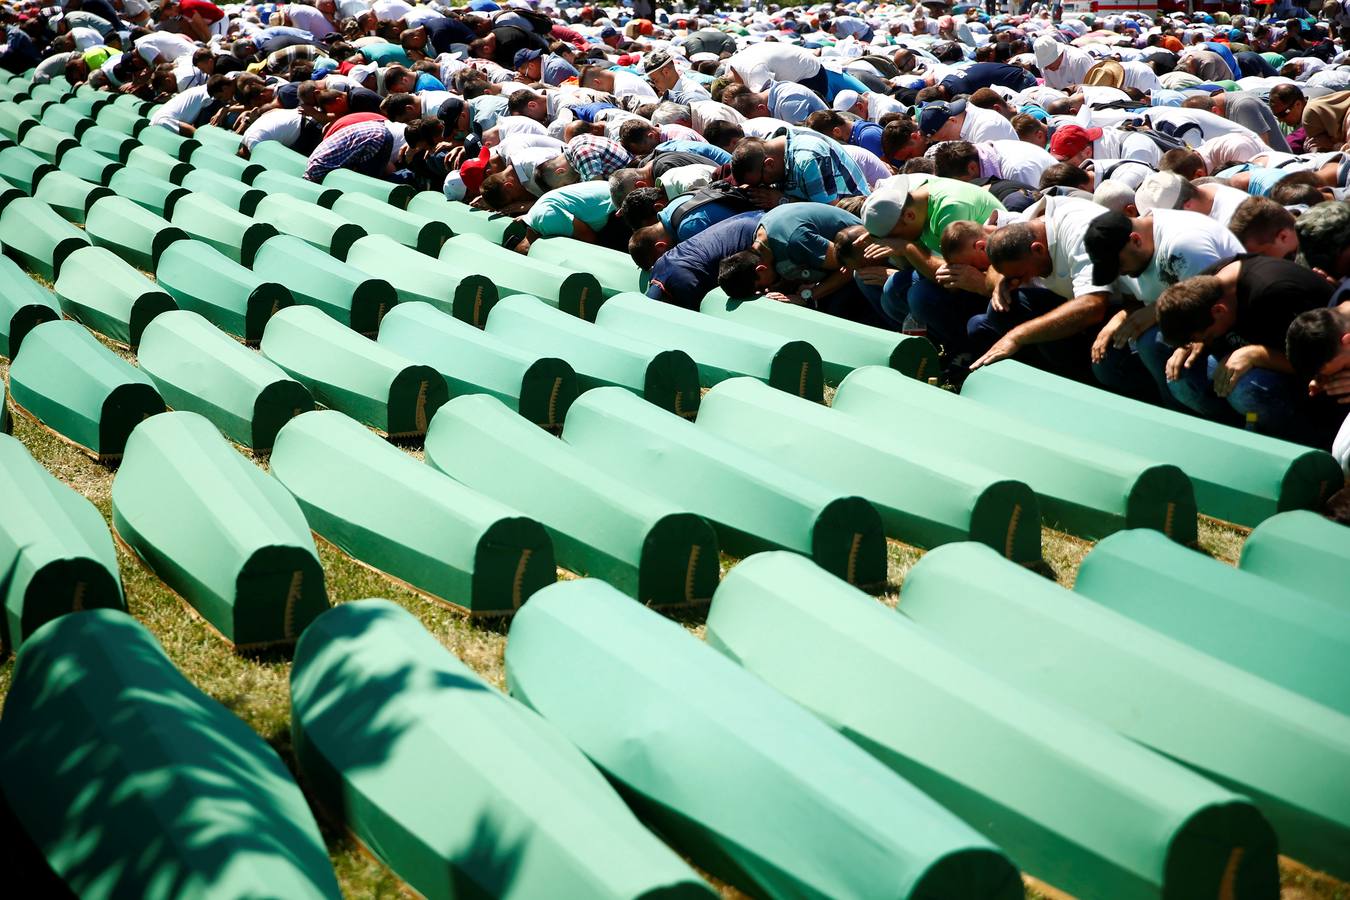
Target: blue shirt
{"x":714,"y":154}
{"x":688,"y":271}
{"x":706,"y":216}
{"x":793,"y":102}
{"x":556,"y":70}
{"x":868,"y":136}
{"x":427,"y":82}
{"x":818,"y":169}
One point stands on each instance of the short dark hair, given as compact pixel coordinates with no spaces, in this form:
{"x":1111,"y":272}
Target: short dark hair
{"x":1288,"y":94}
{"x":1259,"y":220}
{"x":1063,"y":174}
{"x":642,"y":248}
{"x":825,"y":120}
{"x":493,"y":190}
{"x":516,"y":103}
{"x":952,"y":159}
{"x":1025,"y":123}
{"x":1183,"y":161}
{"x":216,"y":85}
{"x":986,"y":98}
{"x":749,"y":155}
{"x":639,"y":207}
{"x":736,"y":275}
{"x":957,"y":235}
{"x":896,"y":133}
{"x":632,"y":132}
{"x":395,"y":104}
{"x":1313,"y":340}
{"x":1184,"y":308}
{"x":424,"y":130}
{"x":1010,"y":243}
{"x":721,"y":133}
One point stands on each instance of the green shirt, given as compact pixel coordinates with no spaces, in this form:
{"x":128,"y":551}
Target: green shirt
{"x":951,"y":201}
{"x":553,"y":214}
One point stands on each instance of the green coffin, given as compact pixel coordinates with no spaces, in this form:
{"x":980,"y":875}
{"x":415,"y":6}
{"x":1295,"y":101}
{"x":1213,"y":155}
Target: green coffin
{"x":1282,"y":635}
{"x":323,"y":228}
{"x":756,"y":503}
{"x":158,"y":163}
{"x":369,"y":683}
{"x":348,"y":181}
{"x":406,"y":519}
{"x":137,"y":235}
{"x":1078,"y":806}
{"x":48,"y":143}
{"x":275,"y":156}
{"x":102,"y":292}
{"x":232,"y":233}
{"x":1285,"y":752}
{"x":1085,"y":488}
{"x":651,"y":549}
{"x":119,"y":118}
{"x":316,"y":279}
{"x":1300,"y":550}
{"x":540,"y":388}
{"x":272,"y":182}
{"x":218,"y":138}
{"x":227,"y":164}
{"x":67,"y":119}
{"x":204,"y":280}
{"x":377,"y":217}
{"x":721,"y":349}
{"x":35,"y":106}
{"x":925,"y":496}
{"x":85,"y":163}
{"x":461,"y":217}
{"x":15,"y":120}
{"x":23,"y":168}
{"x":147,"y":191}
{"x":1238,"y":476}
{"x":170,"y":141}
{"x":69,"y":196}
{"x":88,"y":103}
{"x":80,"y":389}
{"x":228,"y":539}
{"x":24,"y":304}
{"x":666,"y":378}
{"x":576,"y":293}
{"x":740,"y":779}
{"x":113,"y":145}
{"x":138,"y":105}
{"x":133,"y":783}
{"x":234,"y":194}
{"x":616,"y":272}
{"x":419,"y":277}
{"x":353,"y":374}
{"x":37,"y":238}
{"x":843,"y":345}
{"x":199,"y":368}
{"x":57,"y":554}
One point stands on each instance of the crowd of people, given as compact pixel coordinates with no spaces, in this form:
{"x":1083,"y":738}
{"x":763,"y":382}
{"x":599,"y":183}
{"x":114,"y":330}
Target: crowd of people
{"x":1152,"y":203}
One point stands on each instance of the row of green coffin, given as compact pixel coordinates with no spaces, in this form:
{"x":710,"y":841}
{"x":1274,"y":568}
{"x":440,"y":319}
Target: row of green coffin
{"x":131,"y":782}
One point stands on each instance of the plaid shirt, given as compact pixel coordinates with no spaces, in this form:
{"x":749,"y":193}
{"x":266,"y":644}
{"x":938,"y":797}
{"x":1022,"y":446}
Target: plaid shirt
{"x":364,"y":147}
{"x":595,"y":157}
{"x":818,"y":169}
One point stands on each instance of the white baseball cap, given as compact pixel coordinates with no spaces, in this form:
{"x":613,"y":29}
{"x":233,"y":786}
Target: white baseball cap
{"x":1161,"y":190}
{"x":1047,"y":51}
{"x":846,"y":100}
{"x":883,"y":209}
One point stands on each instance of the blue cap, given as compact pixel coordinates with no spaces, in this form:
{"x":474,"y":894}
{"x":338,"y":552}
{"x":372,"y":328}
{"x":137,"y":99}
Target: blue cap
{"x":524,"y":56}
{"x":933,"y":116}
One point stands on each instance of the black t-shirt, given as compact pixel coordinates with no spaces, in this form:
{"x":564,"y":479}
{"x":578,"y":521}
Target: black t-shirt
{"x":1271,"y":293}
{"x":665,"y":160}
{"x":361,"y":99}
{"x":509,"y":40}
{"x":443,"y":33}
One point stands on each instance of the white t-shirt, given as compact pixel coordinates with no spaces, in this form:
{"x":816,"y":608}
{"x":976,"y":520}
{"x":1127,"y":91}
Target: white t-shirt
{"x":626,"y":84}
{"x":703,"y":113}
{"x":182,"y":108}
{"x":1117,"y":144}
{"x":762,"y":63}
{"x":1226,"y":202}
{"x":281,"y":125}
{"x":764,"y":127}
{"x":1021,"y":161}
{"x":390,"y":10}
{"x":985,"y":125}
{"x":309,"y":19}
{"x":1185,"y":244}
{"x":1073,"y":65}
{"x":1066,"y":224}
{"x":525,"y":160}
{"x":879,"y":105}
{"x":508,"y":126}
{"x":85,"y":38}
{"x":166,"y":44}
{"x":1211,"y":126}
{"x":683,"y":179}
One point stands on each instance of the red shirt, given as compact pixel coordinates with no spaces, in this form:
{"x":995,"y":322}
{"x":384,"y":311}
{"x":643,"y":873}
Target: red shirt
{"x":208,"y":11}
{"x":351,"y":119}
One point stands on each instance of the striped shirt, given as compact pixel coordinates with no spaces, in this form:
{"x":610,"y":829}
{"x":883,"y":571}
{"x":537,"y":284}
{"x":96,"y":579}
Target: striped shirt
{"x":818,"y":169}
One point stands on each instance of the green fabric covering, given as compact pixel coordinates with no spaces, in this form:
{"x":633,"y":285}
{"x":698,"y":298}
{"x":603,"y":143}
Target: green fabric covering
{"x":88,"y":103}
{"x":721,"y":349}
{"x":34,"y":106}
{"x":136,"y":104}
{"x":616,"y":272}
{"x":23,"y":168}
{"x":54,"y":91}
{"x":36,"y":237}
{"x":577,"y":293}
{"x":227,"y":164}
{"x":1180,"y":702}
{"x":1076,"y":805}
{"x":14,"y":121}
{"x":108,"y":143}
{"x":539,"y":388}
{"x":403,"y":743}
{"x":406,"y":519}
{"x":925,"y":496}
{"x":110,"y":297}
{"x":650,"y":548}
{"x":843,"y":345}
{"x":1086,"y":488}
{"x":353,"y":374}
{"x":24,"y":304}
{"x":229,"y":539}
{"x":69,"y":196}
{"x":316,"y":279}
{"x":199,"y":368}
{"x":149,"y":191}
{"x":137,"y":235}
{"x":85,"y":163}
{"x":80,"y":389}
{"x":709,"y":754}
{"x":419,"y":277}
{"x":272,"y":182}
{"x":667,"y":378}
{"x":330,"y":232}
{"x":1238,"y":476}
{"x":55,"y":548}
{"x":277,"y":157}
{"x":158,"y":163}
{"x":377,"y":217}
{"x":119,"y":118}
{"x":134,"y":783}
{"x":48,"y":143}
{"x":234,"y":194}
{"x":204,"y":280}
{"x":1282,"y":635}
{"x":218,"y":138}
{"x":755,"y":502}
{"x":207,"y":219}
{"x":1303,"y":551}
{"x":68,"y":119}
{"x":170,"y":141}
{"x":346,"y":180}
{"x":461,"y":217}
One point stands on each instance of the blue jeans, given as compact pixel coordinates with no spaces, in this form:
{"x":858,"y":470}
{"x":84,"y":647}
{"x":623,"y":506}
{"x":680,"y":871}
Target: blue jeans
{"x":1069,"y":357}
{"x":946,"y":314}
{"x":890,"y":301}
{"x":1274,"y":397}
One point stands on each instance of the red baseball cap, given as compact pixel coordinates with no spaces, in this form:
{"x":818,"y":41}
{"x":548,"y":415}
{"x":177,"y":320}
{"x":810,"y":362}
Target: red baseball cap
{"x":474,"y":171}
{"x":1070,"y":140}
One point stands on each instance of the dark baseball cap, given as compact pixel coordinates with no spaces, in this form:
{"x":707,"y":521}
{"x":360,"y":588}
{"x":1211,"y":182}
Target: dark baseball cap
{"x":933,"y":116}
{"x":526,"y":55}
{"x":450,"y":111}
{"x":1106,"y":236}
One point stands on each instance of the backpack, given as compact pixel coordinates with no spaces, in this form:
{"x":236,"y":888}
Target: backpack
{"x":1166,"y":135}
{"x":714,"y":192}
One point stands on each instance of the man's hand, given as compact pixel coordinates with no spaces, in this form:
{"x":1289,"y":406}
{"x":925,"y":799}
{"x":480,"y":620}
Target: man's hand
{"x":1107,"y":335}
{"x":765,"y":197}
{"x":1182,"y":358}
{"x":876,"y":253}
{"x":1135,"y":324}
{"x":960,"y":277}
{"x":1005,"y":347}
{"x":874,"y":275}
{"x":1335,"y":386}
{"x":794,"y":299}
{"x":1239,"y":363}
